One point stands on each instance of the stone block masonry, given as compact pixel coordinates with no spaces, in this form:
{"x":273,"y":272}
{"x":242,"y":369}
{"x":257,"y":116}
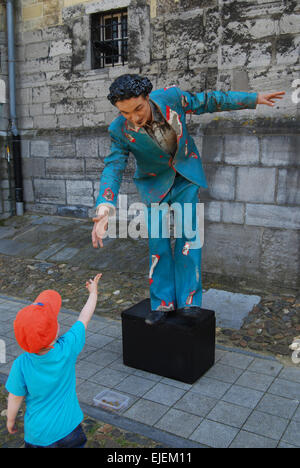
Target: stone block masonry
{"x":248,"y":203}
{"x":65,"y":170}
{"x":251,"y":157}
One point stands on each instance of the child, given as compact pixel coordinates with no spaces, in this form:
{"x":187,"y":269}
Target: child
{"x":45,"y":374}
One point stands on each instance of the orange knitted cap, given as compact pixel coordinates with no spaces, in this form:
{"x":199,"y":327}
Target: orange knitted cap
{"x":36,"y":325}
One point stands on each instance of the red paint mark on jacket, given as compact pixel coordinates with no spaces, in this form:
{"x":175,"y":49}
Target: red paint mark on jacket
{"x":130,"y":138}
{"x":168,"y":87}
{"x":108,"y":194}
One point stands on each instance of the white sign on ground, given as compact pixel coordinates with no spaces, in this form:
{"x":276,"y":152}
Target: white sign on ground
{"x":2,"y":352}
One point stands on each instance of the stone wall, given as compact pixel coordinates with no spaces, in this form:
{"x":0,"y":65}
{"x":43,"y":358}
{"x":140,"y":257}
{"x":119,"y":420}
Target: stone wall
{"x":251,"y":157}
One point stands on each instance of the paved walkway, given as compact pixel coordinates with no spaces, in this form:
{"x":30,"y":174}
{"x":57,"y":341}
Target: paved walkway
{"x":39,"y":251}
{"x":244,"y":400}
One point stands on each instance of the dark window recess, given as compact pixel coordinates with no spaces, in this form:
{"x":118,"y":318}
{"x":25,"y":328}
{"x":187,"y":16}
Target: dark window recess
{"x":109,"y":39}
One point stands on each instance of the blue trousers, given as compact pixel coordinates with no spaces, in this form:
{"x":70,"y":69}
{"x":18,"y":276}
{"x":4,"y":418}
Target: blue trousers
{"x":76,"y":439}
{"x":175,"y":280}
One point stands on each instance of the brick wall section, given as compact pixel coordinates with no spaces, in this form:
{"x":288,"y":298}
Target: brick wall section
{"x":251,"y":158}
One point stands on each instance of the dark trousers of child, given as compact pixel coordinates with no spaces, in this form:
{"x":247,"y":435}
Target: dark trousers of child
{"x":76,"y":439}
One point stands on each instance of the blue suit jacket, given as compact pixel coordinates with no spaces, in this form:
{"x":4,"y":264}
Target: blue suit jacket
{"x":155,"y":169}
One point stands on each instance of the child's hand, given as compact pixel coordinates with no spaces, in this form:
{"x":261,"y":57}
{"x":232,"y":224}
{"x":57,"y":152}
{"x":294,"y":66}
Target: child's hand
{"x":92,"y":285}
{"x":11,"y":427}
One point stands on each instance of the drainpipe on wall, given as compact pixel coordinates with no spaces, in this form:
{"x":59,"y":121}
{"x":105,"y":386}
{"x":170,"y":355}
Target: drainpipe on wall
{"x":2,"y":101}
{"x":16,"y":142}
{"x":2,"y":95}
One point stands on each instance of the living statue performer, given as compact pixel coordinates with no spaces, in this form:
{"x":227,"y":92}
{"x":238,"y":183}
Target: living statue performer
{"x":152,"y":126}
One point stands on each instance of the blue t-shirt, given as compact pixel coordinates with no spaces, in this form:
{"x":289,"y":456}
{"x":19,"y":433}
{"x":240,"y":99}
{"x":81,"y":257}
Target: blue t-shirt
{"x":48,"y":383}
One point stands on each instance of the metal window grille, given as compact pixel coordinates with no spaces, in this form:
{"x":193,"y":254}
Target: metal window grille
{"x":109,"y":39}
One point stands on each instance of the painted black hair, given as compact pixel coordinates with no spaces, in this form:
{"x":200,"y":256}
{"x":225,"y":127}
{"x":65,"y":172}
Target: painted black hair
{"x":128,"y":86}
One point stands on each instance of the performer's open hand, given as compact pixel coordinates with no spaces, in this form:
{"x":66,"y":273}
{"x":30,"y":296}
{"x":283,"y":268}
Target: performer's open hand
{"x":100,"y":226}
{"x":269,"y":98}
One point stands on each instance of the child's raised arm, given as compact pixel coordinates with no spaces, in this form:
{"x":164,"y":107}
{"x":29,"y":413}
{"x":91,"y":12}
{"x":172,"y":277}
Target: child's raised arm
{"x":89,"y":308}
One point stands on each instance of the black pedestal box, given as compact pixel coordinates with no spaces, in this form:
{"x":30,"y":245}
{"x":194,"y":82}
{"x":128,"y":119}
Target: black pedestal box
{"x":179,"y":348}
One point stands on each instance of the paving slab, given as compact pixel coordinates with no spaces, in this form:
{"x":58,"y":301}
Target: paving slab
{"x":231,"y":308}
{"x":285,"y":388}
{"x":278,"y":406}
{"x":65,"y":254}
{"x":110,"y":376}
{"x":115,"y":345}
{"x":38,"y":234}
{"x":266,"y":425}
{"x":21,"y":249}
{"x":179,"y":422}
{"x":224,"y":373}
{"x":210,"y":387}
{"x":255,"y":381}
{"x":230,"y":414}
{"x":101,"y":358}
{"x":243,"y":396}
{"x":196,"y":404}
{"x":292,"y":434}
{"x":6,"y":231}
{"x":244,"y":400}
{"x":214,"y":434}
{"x":239,"y":360}
{"x":135,"y":385}
{"x":98,"y":341}
{"x":246,"y":439}
{"x":290,"y":373}
{"x":165,"y":394}
{"x":146,"y":411}
{"x":141,"y":373}
{"x":53,"y":249}
{"x":265,"y":366}
{"x":296,"y":416}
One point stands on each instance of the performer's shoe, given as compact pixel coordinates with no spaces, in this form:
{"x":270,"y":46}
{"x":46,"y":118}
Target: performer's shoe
{"x":156,"y":316}
{"x":189,"y":312}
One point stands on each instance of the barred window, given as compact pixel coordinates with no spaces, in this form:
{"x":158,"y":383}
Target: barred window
{"x":109,"y":36}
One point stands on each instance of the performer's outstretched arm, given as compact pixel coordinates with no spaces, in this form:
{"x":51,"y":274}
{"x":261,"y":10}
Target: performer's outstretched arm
{"x":112,"y":174}
{"x":219,"y":101}
{"x":111,"y":178}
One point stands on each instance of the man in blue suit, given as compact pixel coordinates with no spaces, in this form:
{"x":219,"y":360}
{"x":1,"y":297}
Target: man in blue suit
{"x":152,"y":126}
